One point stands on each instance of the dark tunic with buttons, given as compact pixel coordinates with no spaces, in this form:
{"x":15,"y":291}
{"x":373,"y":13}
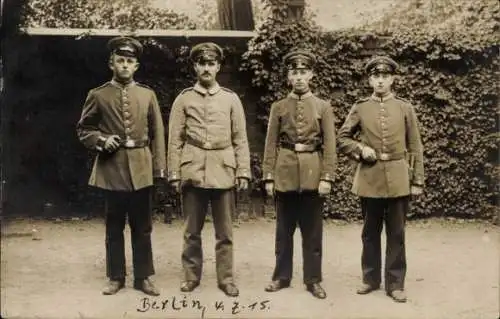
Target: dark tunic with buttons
{"x":304,"y":119}
{"x":132,"y":112}
{"x":390,"y":127}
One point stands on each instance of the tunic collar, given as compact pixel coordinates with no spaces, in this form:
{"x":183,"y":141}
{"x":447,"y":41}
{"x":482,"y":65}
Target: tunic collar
{"x":122,"y":86}
{"x":295,"y":96}
{"x":388,"y":96}
{"x":202,"y":90}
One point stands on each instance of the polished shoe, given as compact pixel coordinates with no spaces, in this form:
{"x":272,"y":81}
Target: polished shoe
{"x":229,"y":289}
{"x":316,"y":290}
{"x":113,"y":286}
{"x":276,"y":285}
{"x":397,"y":295}
{"x":366,"y":289}
{"x":146,"y":286}
{"x":189,"y":285}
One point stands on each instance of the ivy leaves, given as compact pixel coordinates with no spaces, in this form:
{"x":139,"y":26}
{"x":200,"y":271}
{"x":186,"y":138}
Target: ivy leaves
{"x":447,"y":72}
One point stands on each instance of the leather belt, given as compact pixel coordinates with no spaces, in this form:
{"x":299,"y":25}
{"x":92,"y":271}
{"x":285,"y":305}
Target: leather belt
{"x":134,"y":143}
{"x":390,"y":156}
{"x":300,"y":147}
{"x":208,"y":145}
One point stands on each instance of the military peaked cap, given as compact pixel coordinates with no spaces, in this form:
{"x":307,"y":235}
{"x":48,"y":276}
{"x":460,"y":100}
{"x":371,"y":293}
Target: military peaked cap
{"x":125,"y":46}
{"x":299,"y":59}
{"x":381,"y":64}
{"x":206,"y":51}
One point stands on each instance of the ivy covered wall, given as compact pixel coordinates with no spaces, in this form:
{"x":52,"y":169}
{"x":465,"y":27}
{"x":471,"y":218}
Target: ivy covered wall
{"x":449,"y":72}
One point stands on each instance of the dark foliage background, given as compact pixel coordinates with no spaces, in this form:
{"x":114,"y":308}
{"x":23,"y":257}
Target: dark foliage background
{"x":449,"y":72}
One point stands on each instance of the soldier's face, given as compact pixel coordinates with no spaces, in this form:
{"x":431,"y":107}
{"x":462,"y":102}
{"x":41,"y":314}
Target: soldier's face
{"x":381,"y":82}
{"x":206,"y":71}
{"x":299,"y":79}
{"x":123,"y":67}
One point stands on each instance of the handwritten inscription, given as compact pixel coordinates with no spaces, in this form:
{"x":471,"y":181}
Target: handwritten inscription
{"x":174,"y":303}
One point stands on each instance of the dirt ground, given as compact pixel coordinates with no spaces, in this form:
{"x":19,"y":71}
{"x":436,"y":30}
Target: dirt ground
{"x":58,"y":272}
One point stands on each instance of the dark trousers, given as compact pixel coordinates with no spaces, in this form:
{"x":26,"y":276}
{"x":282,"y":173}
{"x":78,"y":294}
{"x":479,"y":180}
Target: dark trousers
{"x":195,"y":203}
{"x":304,"y":209}
{"x":393,"y":211}
{"x":138,"y":206}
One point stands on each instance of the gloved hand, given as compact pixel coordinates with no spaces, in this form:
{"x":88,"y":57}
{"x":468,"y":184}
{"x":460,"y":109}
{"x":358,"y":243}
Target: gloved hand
{"x":112,"y":143}
{"x":269,"y":186}
{"x":368,"y":154}
{"x":324,"y":188}
{"x":176,"y":185}
{"x":242,"y":184}
{"x":416,"y":190}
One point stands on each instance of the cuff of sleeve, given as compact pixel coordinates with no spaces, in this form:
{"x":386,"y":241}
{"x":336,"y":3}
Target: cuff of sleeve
{"x":159,"y":173}
{"x":173,"y":176}
{"x":418,"y":183}
{"x":243,"y":174}
{"x":269,"y":177}
{"x":327,"y":177}
{"x":101,"y":140}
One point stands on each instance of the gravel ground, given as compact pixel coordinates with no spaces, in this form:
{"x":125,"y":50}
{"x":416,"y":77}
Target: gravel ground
{"x":453,"y":272}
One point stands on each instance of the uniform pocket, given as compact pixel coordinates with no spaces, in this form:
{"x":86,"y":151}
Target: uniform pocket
{"x":186,"y":157}
{"x":230,"y":160}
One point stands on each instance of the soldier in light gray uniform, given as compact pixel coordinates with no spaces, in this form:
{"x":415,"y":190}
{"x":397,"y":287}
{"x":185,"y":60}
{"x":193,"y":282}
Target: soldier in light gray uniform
{"x":208,"y":156}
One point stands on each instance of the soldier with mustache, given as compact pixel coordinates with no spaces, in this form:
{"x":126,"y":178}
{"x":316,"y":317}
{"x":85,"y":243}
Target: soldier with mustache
{"x":208,"y":158}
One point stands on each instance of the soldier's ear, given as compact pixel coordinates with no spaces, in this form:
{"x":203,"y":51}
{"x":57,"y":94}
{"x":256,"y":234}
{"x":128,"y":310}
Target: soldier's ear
{"x":110,"y":61}
{"x":395,"y":78}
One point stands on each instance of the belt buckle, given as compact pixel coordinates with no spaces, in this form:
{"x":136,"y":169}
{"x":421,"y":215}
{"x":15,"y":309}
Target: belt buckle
{"x":207,"y":145}
{"x":299,"y":147}
{"x":384,"y":156}
{"x":129,"y":143}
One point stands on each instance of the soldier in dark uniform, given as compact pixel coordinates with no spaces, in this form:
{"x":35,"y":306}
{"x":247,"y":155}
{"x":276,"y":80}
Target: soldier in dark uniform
{"x":121,"y":120}
{"x":208,"y":156}
{"x":390,"y":169}
{"x":299,"y":167}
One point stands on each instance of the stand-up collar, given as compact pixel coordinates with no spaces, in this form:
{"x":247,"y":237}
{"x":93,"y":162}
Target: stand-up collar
{"x":202,"y":90}
{"x":122,"y":86}
{"x":295,"y":96}
{"x":384,"y":98}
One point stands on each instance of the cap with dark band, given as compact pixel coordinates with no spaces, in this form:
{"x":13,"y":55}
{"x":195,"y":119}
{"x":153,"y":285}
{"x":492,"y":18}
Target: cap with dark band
{"x":299,"y":59}
{"x":381,"y":64}
{"x":125,"y":46}
{"x":206,"y":51}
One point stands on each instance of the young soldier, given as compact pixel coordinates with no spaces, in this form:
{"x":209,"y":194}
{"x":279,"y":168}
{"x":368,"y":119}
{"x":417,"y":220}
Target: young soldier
{"x":121,"y":120}
{"x":388,"y":146}
{"x":208,"y":154}
{"x":299,"y":167}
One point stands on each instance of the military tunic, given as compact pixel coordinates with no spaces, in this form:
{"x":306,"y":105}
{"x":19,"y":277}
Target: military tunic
{"x":132,"y":112}
{"x":306,"y":120}
{"x":389,"y":126}
{"x":207,"y":144}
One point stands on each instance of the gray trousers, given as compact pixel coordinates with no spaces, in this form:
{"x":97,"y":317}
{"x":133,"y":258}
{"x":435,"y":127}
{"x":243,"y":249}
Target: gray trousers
{"x":195,"y":205}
